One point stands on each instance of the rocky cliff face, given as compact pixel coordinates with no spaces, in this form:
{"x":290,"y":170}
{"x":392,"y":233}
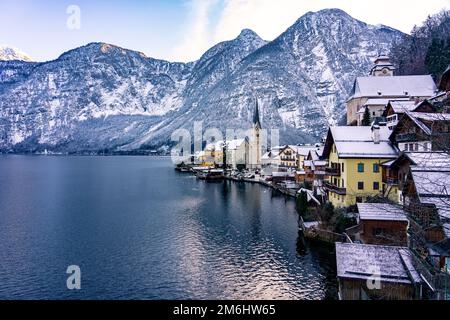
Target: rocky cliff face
{"x":104,"y":97}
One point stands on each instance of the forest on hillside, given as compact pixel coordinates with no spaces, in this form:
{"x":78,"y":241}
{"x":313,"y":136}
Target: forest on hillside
{"x":426,"y":50}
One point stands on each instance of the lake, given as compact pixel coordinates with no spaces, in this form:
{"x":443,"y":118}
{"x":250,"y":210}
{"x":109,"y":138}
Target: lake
{"x":140,"y":230}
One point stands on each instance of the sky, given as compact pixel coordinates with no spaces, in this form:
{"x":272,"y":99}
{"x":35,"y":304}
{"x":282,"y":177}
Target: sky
{"x":177,"y":30}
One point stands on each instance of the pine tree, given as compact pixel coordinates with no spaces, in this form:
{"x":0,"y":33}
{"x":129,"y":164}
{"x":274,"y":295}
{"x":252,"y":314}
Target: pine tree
{"x":366,"y":121}
{"x":302,"y":204}
{"x":438,"y":56}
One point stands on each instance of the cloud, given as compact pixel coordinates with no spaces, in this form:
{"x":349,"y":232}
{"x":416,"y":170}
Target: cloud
{"x":270,"y":18}
{"x":197,"y":34}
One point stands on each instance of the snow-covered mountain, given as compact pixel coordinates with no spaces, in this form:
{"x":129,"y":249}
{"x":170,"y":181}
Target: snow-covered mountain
{"x":101,"y":96}
{"x":9,"y":53}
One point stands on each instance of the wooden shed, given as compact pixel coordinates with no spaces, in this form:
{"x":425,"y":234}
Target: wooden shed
{"x":373,"y":272}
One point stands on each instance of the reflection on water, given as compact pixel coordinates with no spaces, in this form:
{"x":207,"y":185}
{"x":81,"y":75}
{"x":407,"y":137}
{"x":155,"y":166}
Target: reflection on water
{"x":140,"y":230}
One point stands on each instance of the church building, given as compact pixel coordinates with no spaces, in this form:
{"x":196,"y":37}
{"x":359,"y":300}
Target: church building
{"x":373,"y":92}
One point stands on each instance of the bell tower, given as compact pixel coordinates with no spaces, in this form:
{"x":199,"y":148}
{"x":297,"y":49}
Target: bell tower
{"x":255,"y":139}
{"x":382,"y":67}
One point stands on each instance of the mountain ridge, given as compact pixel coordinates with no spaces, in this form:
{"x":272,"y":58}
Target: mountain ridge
{"x":104,"y":97}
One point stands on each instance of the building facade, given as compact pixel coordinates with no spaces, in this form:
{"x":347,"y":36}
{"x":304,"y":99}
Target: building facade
{"x":381,"y":85}
{"x":355,"y":155}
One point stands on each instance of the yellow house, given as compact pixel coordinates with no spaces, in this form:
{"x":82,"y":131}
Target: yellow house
{"x":355,"y":155}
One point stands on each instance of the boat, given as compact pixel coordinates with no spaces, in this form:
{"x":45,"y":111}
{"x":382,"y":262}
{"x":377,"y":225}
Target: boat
{"x":210,"y":174}
{"x":215,"y":174}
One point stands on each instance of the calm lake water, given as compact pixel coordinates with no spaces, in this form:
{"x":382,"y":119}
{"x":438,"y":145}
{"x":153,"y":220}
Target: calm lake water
{"x":140,"y":230}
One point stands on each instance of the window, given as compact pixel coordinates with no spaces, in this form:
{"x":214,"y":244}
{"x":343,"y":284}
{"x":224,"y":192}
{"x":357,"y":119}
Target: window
{"x":411,"y":147}
{"x":359,"y":199}
{"x":376,"y":167}
{"x":378,"y":231}
{"x":406,"y":147}
{"x":360,"y":167}
{"x":360,"y":185}
{"x":342,"y":167}
{"x":416,"y":146}
{"x":376,"y":185}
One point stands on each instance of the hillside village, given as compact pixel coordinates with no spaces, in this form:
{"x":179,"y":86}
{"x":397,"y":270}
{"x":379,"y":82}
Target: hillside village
{"x":379,"y":187}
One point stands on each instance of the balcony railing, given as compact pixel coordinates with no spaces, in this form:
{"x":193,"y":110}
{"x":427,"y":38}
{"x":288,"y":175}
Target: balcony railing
{"x":332,"y":171}
{"x":390,"y":180}
{"x":405,"y":137}
{"x":331,"y":187}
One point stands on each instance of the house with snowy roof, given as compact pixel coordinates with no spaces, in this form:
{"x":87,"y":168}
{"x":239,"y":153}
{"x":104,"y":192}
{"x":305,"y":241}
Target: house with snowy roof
{"x":355,"y":155}
{"x":426,"y":195}
{"x":381,"y":223}
{"x":376,"y":272}
{"x":237,"y":153}
{"x":422,"y":131}
{"x":381,"y":85}
{"x":395,"y":109}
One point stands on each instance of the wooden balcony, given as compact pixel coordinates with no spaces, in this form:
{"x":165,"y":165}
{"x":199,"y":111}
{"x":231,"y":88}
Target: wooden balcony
{"x":390,"y":180}
{"x":331,"y":187}
{"x":332,"y":171}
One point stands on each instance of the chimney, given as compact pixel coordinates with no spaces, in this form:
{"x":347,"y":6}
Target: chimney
{"x":376,"y":133}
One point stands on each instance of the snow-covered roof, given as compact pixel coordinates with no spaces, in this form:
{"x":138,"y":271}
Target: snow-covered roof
{"x":431,"y":183}
{"x":388,"y":163}
{"x":429,"y":116}
{"x":320,"y":162}
{"x":357,"y":142}
{"x":231,"y":144}
{"x":381,"y":211}
{"x":273,"y":154}
{"x":446,"y":228}
{"x":316,"y":153}
{"x":302,"y":150}
{"x":283,"y":174}
{"x":401,"y":106}
{"x":309,"y":195}
{"x":429,"y":161}
{"x":377,"y":102}
{"x":311,"y":224}
{"x":307,"y":163}
{"x":265,"y":156}
{"x":395,"y":86}
{"x":362,"y":261}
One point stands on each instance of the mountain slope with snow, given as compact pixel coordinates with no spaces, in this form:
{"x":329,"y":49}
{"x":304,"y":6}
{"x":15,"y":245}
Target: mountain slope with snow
{"x":10,"y":53}
{"x":102,"y":97}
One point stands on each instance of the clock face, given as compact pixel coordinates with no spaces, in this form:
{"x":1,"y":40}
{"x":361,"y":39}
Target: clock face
{"x":384,"y":71}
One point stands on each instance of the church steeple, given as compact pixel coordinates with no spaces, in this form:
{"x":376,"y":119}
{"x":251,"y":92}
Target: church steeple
{"x":256,"y":120}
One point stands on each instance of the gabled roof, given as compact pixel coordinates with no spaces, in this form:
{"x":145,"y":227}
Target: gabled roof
{"x":231,"y":144}
{"x":395,"y":86}
{"x":431,"y":116}
{"x":302,"y":150}
{"x":362,"y":261}
{"x":381,"y":211}
{"x":420,"y":119}
{"x":401,"y":106}
{"x":379,"y":101}
{"x":429,"y":161}
{"x":431,"y":183}
{"x":357,"y":142}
